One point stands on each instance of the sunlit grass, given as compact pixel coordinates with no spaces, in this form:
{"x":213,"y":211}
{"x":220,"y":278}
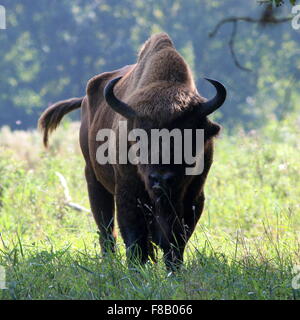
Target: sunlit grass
{"x":244,"y":247}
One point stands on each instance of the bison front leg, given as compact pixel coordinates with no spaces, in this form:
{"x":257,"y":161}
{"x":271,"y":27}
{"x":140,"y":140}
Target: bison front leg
{"x":174,"y":249}
{"x":173,"y":256}
{"x":193,"y":208}
{"x":169,"y":233}
{"x":182,"y":230}
{"x":132,"y":224}
{"x":175,"y":226}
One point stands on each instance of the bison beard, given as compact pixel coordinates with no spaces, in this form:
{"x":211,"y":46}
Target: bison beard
{"x":154,"y":203}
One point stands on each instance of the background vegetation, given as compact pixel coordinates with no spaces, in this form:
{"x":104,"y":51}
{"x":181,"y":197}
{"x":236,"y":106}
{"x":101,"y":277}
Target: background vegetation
{"x":247,"y":242}
{"x":51,"y":48}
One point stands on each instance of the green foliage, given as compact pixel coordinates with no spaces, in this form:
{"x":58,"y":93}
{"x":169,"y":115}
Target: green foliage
{"x":51,"y":48}
{"x":281,"y":2}
{"x":244,"y":247}
{"x":277,"y":3}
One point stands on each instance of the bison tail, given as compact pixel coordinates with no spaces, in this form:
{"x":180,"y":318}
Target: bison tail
{"x":52,"y":116}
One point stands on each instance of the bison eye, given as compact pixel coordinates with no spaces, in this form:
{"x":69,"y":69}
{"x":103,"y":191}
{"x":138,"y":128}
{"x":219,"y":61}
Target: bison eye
{"x":154,"y":177}
{"x":169,"y":178}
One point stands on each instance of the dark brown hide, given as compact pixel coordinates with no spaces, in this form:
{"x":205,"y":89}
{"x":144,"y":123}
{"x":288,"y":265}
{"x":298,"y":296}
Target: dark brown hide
{"x":161,"y":90}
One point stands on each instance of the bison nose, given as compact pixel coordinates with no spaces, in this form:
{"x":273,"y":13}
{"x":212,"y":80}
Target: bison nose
{"x":158,"y":180}
{"x":155,"y":183}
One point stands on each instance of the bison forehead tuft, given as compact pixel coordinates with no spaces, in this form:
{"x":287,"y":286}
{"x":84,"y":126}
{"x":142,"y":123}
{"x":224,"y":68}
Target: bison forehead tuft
{"x":163,"y":101}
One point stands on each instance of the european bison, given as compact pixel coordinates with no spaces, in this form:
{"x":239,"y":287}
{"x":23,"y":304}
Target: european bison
{"x":155,"y":203}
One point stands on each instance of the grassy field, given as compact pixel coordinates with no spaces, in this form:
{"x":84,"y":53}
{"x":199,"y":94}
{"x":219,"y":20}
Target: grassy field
{"x":245,"y":246}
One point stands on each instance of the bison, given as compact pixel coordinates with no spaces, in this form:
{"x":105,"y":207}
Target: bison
{"x":157,"y":205}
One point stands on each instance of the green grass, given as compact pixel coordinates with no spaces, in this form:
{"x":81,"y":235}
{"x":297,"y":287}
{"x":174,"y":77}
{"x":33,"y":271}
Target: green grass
{"x":244,"y":247}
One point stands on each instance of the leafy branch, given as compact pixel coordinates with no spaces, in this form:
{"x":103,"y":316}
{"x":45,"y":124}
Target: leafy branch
{"x":267,"y":17}
{"x":276,"y":3}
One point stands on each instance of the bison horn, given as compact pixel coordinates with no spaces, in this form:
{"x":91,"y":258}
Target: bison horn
{"x":117,"y":105}
{"x":208,"y":107}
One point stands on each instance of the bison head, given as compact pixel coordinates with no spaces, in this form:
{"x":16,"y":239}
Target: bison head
{"x":162,"y":178}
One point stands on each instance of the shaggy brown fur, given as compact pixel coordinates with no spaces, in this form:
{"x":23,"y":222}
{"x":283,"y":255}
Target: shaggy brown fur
{"x":160,"y":87}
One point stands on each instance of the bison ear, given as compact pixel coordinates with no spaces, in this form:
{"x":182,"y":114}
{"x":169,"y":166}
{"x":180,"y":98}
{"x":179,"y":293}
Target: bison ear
{"x":212,"y":129}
